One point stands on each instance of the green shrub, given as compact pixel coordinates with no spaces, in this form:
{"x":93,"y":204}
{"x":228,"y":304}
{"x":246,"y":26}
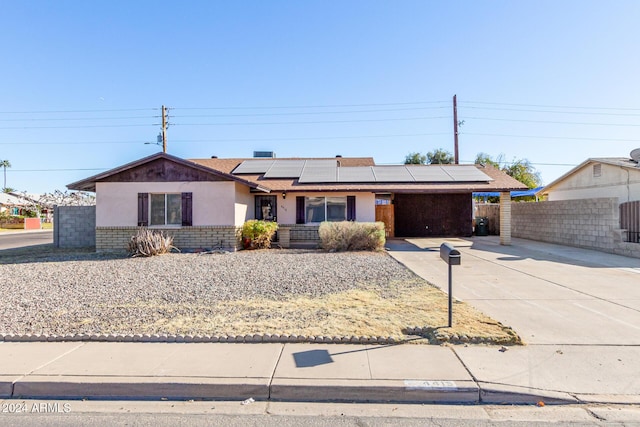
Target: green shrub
{"x":148,"y":243}
{"x":259,"y":233}
{"x":352,"y":236}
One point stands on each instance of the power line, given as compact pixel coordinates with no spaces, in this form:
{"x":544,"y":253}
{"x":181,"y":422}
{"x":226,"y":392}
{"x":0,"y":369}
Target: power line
{"x":78,"y":119}
{"x":78,"y":111}
{"x":552,"y":106}
{"x":551,"y":137}
{"x":555,"y":112}
{"x":309,"y":122}
{"x":553,"y":122}
{"x":312,"y":106}
{"x":75,"y":127}
{"x":309,"y":113}
{"x":56,"y":170}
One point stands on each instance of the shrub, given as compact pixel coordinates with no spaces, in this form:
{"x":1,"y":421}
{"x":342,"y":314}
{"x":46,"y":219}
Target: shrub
{"x":352,"y":236}
{"x":149,"y":243}
{"x":259,"y":233}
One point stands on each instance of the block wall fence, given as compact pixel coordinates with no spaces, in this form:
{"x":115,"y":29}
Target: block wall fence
{"x":74,"y":226}
{"x":585,"y":223}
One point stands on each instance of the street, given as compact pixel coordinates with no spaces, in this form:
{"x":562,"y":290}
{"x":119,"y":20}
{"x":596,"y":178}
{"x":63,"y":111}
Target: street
{"x":11,"y":240}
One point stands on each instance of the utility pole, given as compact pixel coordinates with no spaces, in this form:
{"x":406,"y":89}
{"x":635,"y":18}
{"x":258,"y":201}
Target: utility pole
{"x":455,"y":130}
{"x":164,"y":129}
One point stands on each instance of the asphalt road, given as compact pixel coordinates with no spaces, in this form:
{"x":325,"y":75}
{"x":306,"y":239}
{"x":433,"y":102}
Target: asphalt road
{"x":22,"y":239}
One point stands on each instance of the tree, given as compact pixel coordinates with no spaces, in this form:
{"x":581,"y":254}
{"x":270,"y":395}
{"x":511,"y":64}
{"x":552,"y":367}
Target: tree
{"x":521,"y":169}
{"x":5,"y":164}
{"x":439,"y":157}
{"x":415,"y":159}
{"x":8,"y":190}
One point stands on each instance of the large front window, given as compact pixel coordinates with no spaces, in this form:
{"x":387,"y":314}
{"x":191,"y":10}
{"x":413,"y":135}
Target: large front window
{"x":165,"y":209}
{"x":318,"y":209}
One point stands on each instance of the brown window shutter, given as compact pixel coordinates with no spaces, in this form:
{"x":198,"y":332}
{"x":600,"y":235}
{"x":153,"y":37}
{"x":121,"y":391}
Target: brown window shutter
{"x":187,"y":209}
{"x":143,"y":209}
{"x":300,"y":210}
{"x":351,"y":208}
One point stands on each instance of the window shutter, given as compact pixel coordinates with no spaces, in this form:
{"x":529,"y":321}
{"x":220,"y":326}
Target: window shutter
{"x":187,"y":209}
{"x":143,"y":209}
{"x":300,"y":210}
{"x":351,"y":208}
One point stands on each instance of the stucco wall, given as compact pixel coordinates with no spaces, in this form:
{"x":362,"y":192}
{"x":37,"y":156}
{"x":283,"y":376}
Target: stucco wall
{"x":74,"y":226}
{"x":586,"y":223}
{"x":365,"y":205}
{"x":117,"y":202}
{"x":614,"y":181}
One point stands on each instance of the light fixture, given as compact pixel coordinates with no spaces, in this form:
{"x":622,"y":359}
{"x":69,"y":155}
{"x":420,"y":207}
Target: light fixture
{"x":284,"y":195}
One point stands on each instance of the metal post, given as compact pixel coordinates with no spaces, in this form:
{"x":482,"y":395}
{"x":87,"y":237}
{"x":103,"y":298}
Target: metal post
{"x":450,"y":296}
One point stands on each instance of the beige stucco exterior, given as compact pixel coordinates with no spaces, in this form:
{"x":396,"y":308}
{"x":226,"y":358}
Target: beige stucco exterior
{"x":214,"y":203}
{"x":365,"y":205}
{"x":613,"y":181}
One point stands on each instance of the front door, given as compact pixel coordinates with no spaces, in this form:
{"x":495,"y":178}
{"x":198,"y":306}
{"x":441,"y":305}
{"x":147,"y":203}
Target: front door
{"x":267,"y":208}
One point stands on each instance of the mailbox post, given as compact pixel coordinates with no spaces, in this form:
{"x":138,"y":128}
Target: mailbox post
{"x":451,"y":256}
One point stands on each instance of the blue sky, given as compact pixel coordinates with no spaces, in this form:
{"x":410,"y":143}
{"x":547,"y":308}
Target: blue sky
{"x":82,"y":83}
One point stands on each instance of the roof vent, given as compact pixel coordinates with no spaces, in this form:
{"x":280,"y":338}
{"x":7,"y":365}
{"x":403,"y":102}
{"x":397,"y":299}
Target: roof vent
{"x":264,"y":154}
{"x":338,"y":156}
{"x":214,"y":157}
{"x":635,"y":155}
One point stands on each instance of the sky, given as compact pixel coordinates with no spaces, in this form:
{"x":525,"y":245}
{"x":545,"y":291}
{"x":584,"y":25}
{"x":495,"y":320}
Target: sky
{"x":82,"y":83}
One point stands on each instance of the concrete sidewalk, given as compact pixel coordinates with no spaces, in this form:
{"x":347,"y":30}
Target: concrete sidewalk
{"x":280,"y":372}
{"x":578,"y":310}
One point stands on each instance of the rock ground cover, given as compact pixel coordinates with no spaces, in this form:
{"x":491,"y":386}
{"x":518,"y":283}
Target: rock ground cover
{"x":301,"y":292}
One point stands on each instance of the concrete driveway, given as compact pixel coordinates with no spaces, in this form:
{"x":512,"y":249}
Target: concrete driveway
{"x":577,"y":310}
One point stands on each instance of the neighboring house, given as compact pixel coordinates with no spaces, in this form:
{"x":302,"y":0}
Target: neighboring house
{"x":10,"y":204}
{"x":204,"y":202}
{"x":599,"y":177}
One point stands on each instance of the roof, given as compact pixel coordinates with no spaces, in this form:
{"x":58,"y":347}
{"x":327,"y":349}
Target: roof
{"x":8,"y":199}
{"x":89,"y":184}
{"x":470,"y":178}
{"x":496,"y":179}
{"x":622,"y":162}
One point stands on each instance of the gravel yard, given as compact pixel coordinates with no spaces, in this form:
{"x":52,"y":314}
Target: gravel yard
{"x":305,"y":292}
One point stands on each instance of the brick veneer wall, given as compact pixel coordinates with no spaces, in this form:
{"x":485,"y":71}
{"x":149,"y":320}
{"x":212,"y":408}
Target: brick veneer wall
{"x":74,"y":226}
{"x":586,"y":223}
{"x":204,"y":237}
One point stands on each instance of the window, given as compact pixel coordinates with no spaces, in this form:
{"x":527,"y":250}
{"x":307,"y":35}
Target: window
{"x":165,"y":209}
{"x":597,"y":170}
{"x":159,"y":209}
{"x":319,"y":209}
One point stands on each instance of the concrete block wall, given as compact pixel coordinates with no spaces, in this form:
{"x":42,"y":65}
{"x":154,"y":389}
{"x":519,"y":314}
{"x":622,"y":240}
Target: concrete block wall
{"x":586,"y":223}
{"x":184,"y":238}
{"x":74,"y":226}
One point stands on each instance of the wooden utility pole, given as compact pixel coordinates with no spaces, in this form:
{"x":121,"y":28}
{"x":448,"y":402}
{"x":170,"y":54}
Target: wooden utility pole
{"x":455,"y":130}
{"x":164,"y":129}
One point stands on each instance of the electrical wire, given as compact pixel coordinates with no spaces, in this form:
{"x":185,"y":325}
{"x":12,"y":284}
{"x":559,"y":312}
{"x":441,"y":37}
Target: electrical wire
{"x":549,"y":106}
{"x":310,"y":122}
{"x":308,"y":113}
{"x":312,"y":106}
{"x":553,"y":122}
{"x":550,"y":137}
{"x":554,"y":112}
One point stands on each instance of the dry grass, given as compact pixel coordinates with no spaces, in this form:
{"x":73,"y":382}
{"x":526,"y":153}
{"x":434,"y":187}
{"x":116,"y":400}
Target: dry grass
{"x":365,"y":311}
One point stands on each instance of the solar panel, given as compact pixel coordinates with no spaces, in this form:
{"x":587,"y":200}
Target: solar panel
{"x":466,"y":173}
{"x":253,"y":166}
{"x":429,"y":174}
{"x":285,"y":169}
{"x":319,"y":171}
{"x":356,"y":174}
{"x":397,"y":173}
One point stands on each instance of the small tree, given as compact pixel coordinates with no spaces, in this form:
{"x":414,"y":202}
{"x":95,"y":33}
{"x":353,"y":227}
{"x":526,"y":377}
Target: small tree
{"x":439,"y":157}
{"x":415,"y":159}
{"x":521,"y":169}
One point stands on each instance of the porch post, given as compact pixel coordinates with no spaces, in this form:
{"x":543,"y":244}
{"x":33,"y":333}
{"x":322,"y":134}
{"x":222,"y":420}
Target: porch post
{"x":505,"y":218}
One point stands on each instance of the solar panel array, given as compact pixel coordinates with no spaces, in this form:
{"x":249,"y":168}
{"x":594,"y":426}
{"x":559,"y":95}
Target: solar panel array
{"x":328,"y":171}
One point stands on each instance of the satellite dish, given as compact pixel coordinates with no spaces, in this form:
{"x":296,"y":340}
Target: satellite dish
{"x":635,"y":155}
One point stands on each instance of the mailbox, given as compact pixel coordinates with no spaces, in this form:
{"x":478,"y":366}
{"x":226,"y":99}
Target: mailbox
{"x":449,"y":254}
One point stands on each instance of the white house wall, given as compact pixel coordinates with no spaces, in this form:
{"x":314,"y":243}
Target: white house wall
{"x":614,"y":181}
{"x":117,"y":202}
{"x":244,"y":204}
{"x":365,"y":205}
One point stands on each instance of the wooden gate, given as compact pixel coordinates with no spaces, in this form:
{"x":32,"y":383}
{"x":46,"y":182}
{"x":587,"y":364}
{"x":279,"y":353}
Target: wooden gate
{"x":630,"y":220}
{"x":385,"y":214}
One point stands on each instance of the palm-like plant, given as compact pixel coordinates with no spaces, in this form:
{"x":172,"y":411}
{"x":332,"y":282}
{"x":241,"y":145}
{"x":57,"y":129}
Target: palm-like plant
{"x":5,"y":164}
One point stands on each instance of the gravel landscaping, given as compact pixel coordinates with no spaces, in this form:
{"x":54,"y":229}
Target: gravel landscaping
{"x":303,"y":292}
